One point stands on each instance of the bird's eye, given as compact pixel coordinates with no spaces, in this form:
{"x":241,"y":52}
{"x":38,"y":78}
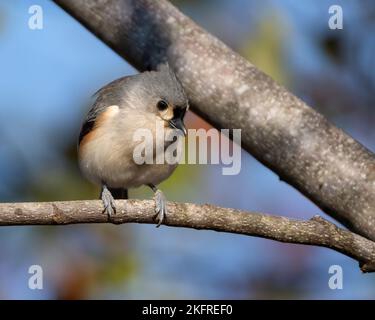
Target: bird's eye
{"x":162,"y":105}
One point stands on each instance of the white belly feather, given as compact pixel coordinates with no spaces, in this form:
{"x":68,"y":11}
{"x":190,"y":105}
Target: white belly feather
{"x":106,"y":156}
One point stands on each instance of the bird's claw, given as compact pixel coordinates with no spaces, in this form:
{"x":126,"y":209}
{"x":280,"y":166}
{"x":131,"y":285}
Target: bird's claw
{"x":160,"y":207}
{"x":108,"y":202}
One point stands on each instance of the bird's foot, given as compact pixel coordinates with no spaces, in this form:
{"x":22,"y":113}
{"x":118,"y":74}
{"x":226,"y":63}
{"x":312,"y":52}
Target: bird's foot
{"x":108,"y":202}
{"x":160,"y":207}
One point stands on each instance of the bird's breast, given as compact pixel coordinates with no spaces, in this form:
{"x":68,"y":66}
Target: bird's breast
{"x":107,"y":154}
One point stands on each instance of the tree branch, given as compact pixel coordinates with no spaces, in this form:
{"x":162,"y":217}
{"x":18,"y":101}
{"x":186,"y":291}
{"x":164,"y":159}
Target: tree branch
{"x":316,"y":231}
{"x":281,"y":131}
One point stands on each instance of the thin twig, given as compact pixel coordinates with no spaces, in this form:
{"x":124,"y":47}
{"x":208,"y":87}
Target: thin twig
{"x":316,"y":231}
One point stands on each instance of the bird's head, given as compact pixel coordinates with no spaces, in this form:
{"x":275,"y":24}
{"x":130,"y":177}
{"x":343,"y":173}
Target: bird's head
{"x":164,"y":96}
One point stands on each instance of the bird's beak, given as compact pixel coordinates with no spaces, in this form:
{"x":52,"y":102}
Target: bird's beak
{"x":177,"y":123}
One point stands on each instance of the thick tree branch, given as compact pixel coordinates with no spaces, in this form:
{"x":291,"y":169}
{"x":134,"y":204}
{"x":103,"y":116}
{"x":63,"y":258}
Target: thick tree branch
{"x":280,"y":130}
{"x":316,"y":231}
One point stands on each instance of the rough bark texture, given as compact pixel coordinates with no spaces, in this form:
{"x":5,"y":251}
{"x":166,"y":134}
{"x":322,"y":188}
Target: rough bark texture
{"x":280,"y":130}
{"x":316,"y":231}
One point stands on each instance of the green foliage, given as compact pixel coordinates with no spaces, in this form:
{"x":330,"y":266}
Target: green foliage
{"x":264,"y":48}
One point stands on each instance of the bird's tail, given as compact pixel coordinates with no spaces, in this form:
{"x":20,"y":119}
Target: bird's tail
{"x":119,"y":193}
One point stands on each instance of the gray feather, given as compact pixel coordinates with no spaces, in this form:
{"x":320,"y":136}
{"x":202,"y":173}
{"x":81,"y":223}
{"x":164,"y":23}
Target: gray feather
{"x":106,"y":96}
{"x":140,"y":91}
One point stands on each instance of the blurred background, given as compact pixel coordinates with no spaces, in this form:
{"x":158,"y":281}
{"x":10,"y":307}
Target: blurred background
{"x":47,"y":79}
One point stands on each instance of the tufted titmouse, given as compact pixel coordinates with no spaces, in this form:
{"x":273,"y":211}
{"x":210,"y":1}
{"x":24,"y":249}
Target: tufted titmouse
{"x":106,"y":144}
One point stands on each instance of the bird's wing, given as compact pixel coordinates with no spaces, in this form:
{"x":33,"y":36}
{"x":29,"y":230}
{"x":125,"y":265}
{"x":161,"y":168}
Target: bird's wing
{"x":105,"y":97}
